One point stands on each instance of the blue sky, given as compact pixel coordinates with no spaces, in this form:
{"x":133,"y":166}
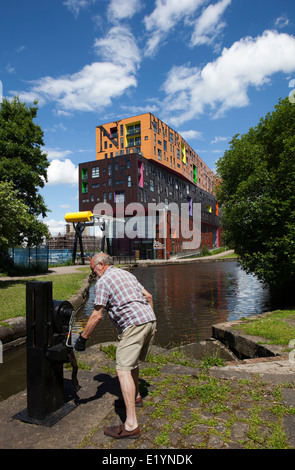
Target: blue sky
{"x":209,"y":69}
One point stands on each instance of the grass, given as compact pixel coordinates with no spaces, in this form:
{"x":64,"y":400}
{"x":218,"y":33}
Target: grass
{"x":272,"y":327}
{"x":13,"y":292}
{"x":200,"y":411}
{"x":200,"y":408}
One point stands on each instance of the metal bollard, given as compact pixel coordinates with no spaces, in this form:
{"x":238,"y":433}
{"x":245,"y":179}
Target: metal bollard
{"x":47,"y":322}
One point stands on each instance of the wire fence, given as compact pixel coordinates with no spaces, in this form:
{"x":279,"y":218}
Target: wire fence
{"x":39,"y":257}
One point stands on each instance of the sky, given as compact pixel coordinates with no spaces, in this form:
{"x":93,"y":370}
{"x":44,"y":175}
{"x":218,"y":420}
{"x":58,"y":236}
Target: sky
{"x":209,"y":69}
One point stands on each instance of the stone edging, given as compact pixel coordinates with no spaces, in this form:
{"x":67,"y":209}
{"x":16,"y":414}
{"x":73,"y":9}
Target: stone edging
{"x":242,"y":345}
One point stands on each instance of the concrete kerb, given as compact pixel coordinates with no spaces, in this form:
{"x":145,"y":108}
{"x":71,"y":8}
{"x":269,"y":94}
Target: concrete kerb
{"x":254,"y":356}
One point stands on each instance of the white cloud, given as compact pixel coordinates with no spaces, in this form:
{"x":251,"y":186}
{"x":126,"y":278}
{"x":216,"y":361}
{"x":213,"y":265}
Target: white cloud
{"x":120,"y":46}
{"x":9,"y":68}
{"x":282,"y":22}
{"x":76,"y":5}
{"x":135,"y":110}
{"x":192,"y":134}
{"x":208,"y":26}
{"x":219,"y":139}
{"x":164,"y":17}
{"x":94,"y":86}
{"x":55,"y":227}
{"x":56,"y":153}
{"x":62,"y":172}
{"x":223,"y":84}
{"x":121,"y":9}
{"x":167,"y":13}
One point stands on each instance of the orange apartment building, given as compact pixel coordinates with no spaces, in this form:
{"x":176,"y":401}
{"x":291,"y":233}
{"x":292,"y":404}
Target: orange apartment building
{"x":155,"y":140}
{"x":142,"y":159}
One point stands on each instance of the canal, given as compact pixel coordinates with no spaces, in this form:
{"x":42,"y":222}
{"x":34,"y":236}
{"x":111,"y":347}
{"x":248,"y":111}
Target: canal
{"x":188,"y":300}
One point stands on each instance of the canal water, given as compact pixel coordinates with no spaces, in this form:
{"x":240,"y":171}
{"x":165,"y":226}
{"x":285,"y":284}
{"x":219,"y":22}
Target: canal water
{"x":188,"y":300}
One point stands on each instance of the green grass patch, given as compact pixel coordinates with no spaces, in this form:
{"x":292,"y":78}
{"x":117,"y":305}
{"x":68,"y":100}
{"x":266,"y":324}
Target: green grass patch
{"x":110,"y":351}
{"x":13,"y":292}
{"x":213,"y":390}
{"x":272,"y":327}
{"x":210,"y":360}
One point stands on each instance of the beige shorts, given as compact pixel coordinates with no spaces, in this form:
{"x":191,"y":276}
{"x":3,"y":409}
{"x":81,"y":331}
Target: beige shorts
{"x":134,"y":345}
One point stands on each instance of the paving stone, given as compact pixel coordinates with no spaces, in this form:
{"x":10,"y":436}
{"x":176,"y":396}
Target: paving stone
{"x":239,"y":430}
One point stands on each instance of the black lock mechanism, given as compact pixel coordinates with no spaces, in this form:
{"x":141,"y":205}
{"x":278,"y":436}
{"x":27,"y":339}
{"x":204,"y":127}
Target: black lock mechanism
{"x":49,"y":329}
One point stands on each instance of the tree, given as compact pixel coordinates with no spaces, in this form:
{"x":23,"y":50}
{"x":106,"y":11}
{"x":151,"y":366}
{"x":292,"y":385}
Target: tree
{"x":23,"y":169}
{"x":16,"y":221}
{"x":256,"y":192}
{"x":21,"y":159}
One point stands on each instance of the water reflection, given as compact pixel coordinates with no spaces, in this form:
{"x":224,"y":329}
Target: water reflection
{"x":12,"y":373}
{"x":189,"y":299}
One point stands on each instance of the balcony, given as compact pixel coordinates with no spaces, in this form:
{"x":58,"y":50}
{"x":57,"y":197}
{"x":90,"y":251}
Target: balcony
{"x":133,"y":142}
{"x":133,"y":130}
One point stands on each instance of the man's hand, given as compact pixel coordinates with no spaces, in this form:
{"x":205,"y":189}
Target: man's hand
{"x":80,"y":343}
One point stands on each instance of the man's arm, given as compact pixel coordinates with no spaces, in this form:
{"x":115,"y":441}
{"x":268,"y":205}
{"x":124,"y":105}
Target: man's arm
{"x":148,"y":297}
{"x":94,"y":319}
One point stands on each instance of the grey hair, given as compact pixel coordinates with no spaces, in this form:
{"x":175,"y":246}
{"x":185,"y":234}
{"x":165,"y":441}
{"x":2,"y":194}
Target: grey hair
{"x":103,"y":258}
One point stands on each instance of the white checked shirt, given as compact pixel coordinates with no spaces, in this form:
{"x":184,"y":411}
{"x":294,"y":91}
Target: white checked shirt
{"x":121,"y":293}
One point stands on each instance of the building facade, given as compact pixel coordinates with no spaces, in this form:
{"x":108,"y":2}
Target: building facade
{"x":141,"y":159}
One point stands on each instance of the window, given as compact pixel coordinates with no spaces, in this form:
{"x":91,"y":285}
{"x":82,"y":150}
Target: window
{"x":151,"y":185}
{"x":129,"y":181}
{"x":133,"y":141}
{"x":159,"y":154}
{"x":84,"y":174}
{"x":84,"y":188}
{"x":110,"y":169}
{"x":110,"y":196}
{"x":133,"y":129}
{"x":95,"y":172}
{"x":113,"y":132}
